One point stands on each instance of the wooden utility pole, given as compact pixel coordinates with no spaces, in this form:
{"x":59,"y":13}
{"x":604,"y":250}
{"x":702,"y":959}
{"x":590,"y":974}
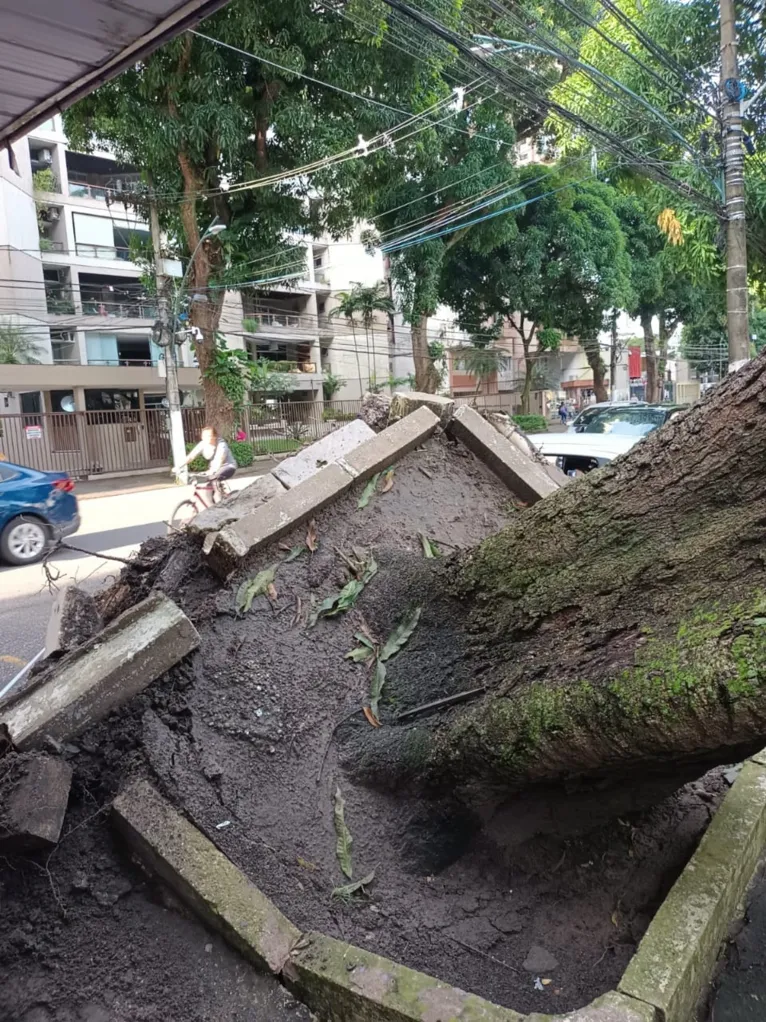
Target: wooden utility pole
{"x":734,"y":192}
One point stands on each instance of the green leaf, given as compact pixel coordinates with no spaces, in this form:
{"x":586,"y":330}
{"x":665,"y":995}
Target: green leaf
{"x":370,"y":570}
{"x":296,"y":551}
{"x":352,"y":888}
{"x":360,"y":654}
{"x":343,"y":834}
{"x":368,"y":491}
{"x":401,"y":635}
{"x":376,"y":689}
{"x":339,"y":602}
{"x":364,"y":639}
{"x":254,"y":586}
{"x":430,"y":549}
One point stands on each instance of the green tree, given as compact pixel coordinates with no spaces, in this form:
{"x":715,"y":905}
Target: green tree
{"x":202,"y":121}
{"x":17,"y":347}
{"x":481,"y":362}
{"x":364,"y":302}
{"x":562,"y":269}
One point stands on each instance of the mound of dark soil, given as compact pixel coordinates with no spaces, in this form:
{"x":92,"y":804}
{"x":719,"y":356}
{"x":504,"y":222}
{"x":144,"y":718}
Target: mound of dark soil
{"x":262,"y":725}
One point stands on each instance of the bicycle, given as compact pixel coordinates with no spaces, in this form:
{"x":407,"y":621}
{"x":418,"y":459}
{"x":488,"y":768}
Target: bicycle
{"x":205,"y":494}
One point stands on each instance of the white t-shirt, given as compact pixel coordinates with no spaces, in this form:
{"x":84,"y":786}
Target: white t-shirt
{"x":218,"y":454}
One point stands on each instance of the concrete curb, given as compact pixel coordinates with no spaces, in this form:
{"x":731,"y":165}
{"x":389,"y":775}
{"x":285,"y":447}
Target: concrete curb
{"x":118,"y":663}
{"x":343,"y":983}
{"x":203,"y":878}
{"x":676,"y":956}
{"x":227,"y":548}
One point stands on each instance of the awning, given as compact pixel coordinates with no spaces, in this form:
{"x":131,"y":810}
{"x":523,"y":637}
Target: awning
{"x":54,"y":52}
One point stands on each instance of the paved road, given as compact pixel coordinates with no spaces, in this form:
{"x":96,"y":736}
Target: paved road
{"x":116,"y":524}
{"x":740,"y":995}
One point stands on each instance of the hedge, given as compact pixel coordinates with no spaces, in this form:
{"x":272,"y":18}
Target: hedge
{"x":531,"y":423}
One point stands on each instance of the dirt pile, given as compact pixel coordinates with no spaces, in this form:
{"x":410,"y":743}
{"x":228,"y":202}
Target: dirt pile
{"x":254,"y":734}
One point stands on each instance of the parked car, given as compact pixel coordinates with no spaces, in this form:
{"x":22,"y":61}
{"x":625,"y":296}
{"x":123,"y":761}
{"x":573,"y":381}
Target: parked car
{"x":36,"y":508}
{"x":630,"y":420}
{"x":590,"y":412}
{"x":575,"y":453}
{"x":605,"y":436}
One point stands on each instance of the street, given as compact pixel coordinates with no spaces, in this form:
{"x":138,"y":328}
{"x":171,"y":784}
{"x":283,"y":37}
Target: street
{"x":116,"y":524}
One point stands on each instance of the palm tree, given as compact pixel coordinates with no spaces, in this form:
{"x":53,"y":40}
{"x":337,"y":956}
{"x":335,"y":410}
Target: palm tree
{"x":16,"y":346}
{"x":481,"y":363}
{"x":366,"y":301}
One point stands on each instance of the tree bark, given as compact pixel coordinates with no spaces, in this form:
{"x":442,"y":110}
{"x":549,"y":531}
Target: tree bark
{"x":662,"y":354}
{"x":618,"y":626}
{"x":528,"y":371}
{"x":595,"y":361}
{"x":650,"y":353}
{"x":426,"y":377}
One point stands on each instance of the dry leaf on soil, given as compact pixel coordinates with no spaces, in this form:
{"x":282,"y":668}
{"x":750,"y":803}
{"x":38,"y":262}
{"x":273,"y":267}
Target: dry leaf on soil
{"x":371,"y":718}
{"x":388,"y":480}
{"x":312,"y":537}
{"x":343,"y":834}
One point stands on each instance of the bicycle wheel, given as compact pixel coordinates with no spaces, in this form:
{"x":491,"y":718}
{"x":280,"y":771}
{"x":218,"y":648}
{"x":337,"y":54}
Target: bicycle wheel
{"x":181,"y":516}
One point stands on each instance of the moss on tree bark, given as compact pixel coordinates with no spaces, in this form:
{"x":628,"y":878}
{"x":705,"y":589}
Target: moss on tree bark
{"x":620,"y":624}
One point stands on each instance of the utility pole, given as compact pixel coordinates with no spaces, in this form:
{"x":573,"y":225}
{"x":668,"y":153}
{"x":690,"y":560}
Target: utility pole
{"x":734,"y":192}
{"x":613,"y":357}
{"x":165,"y":337}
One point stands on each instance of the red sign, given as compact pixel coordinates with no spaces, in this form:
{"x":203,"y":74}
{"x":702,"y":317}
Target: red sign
{"x":634,"y":363}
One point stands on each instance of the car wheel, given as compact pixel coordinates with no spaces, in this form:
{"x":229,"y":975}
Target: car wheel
{"x":24,"y":541}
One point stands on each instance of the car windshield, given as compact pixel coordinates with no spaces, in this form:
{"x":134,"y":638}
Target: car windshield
{"x":626,"y":421}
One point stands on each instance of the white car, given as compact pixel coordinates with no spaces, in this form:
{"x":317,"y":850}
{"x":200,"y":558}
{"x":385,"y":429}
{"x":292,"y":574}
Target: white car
{"x":575,"y":453}
{"x":591,"y":411}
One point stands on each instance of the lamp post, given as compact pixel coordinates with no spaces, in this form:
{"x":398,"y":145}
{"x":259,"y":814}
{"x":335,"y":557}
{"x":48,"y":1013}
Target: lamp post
{"x":164,"y":333}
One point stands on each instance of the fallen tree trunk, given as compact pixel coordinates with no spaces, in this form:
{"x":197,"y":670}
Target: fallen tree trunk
{"x":619,"y":625}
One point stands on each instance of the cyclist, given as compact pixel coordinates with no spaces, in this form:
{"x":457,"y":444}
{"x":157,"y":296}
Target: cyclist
{"x":215,"y":450}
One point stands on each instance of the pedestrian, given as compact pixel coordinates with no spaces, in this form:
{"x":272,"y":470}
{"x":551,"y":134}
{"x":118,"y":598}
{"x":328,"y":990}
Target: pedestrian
{"x":563,"y":413}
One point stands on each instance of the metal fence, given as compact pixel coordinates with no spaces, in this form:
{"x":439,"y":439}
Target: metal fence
{"x":101,"y":442}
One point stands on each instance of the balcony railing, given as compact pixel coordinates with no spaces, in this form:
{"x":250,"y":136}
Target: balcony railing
{"x":292,"y":320}
{"x":102,"y":251}
{"x":101,"y":190}
{"x":59,"y":301}
{"x":119,"y":310}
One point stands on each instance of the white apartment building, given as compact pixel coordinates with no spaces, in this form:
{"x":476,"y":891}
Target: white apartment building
{"x":69,"y":284}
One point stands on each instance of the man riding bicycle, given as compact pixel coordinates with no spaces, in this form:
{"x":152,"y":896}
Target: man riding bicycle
{"x":216,"y":451}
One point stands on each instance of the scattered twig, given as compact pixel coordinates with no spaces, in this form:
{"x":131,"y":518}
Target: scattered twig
{"x":483,"y":954}
{"x":560,"y":863}
{"x":425,"y":472}
{"x":342,"y":720}
{"x":458,"y":697}
{"x":91,"y":553}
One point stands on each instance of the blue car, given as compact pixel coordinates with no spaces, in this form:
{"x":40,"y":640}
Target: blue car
{"x":36,"y":508}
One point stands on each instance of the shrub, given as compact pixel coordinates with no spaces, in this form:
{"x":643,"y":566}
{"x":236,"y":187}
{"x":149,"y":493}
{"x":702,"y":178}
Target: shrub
{"x":328,"y":415}
{"x":531,"y":423}
{"x":243,"y":452}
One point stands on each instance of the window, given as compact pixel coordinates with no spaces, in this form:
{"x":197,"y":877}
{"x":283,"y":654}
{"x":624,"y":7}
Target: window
{"x":6,"y":473}
{"x":64,"y":348}
{"x":111,"y":400}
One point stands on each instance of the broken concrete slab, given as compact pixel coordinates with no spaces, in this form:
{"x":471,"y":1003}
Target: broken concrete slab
{"x":236,"y":505}
{"x":202,"y":877}
{"x":74,"y":619}
{"x":327,"y":451}
{"x":343,"y":983}
{"x":539,"y":961}
{"x":611,"y":1007}
{"x":374,"y":410}
{"x":270,"y":521}
{"x":677,"y":954}
{"x":81,"y":688}
{"x":524,"y":477}
{"x":392,"y":444}
{"x":33,"y":802}
{"x":405,"y":402}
